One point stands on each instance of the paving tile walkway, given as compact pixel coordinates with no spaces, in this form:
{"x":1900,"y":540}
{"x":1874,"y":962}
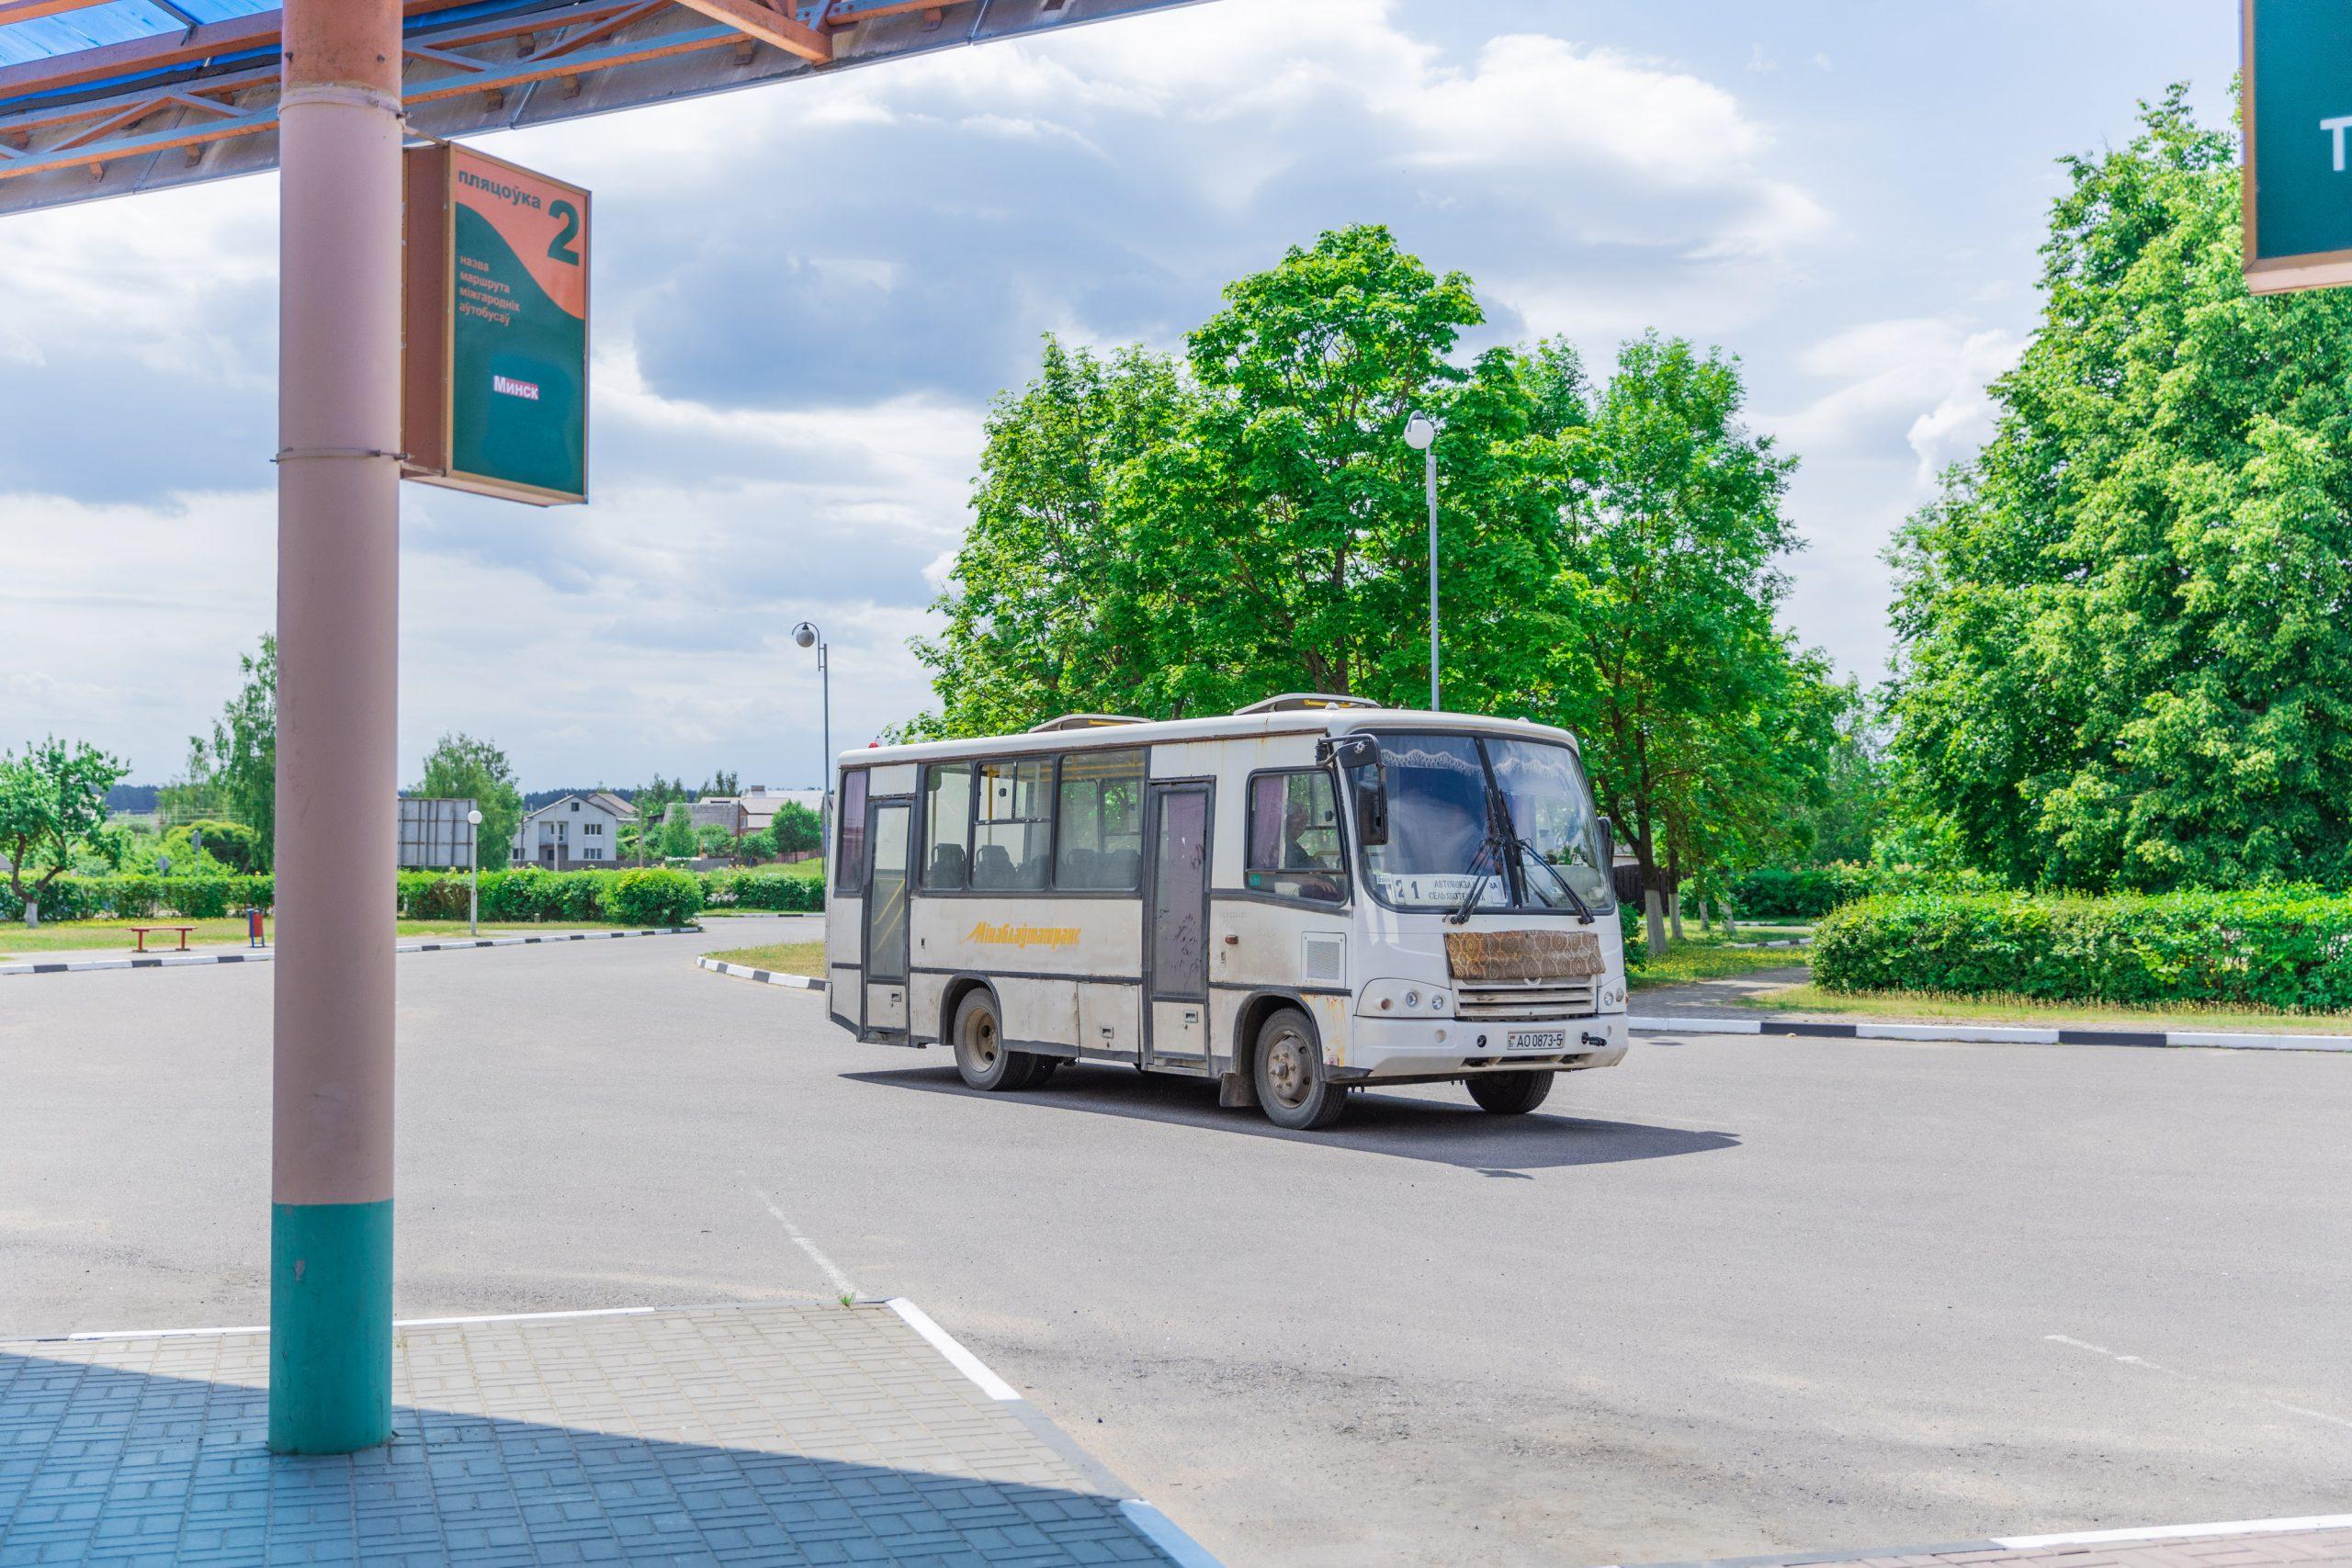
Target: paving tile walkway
{"x":786,"y":1435}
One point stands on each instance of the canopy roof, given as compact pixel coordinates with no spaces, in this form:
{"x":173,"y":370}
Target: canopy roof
{"x":105,"y":98}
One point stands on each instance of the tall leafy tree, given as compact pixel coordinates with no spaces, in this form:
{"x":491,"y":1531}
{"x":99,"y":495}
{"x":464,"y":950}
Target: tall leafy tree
{"x":234,"y":770}
{"x":460,"y":767}
{"x":1047,"y":609}
{"x":53,"y":807}
{"x":1160,"y":540}
{"x":2125,"y":629}
{"x":1705,"y":722}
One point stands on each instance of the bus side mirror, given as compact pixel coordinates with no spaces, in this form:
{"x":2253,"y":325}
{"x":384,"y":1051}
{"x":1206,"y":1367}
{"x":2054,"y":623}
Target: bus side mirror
{"x":1359,"y":758}
{"x":1608,"y":844}
{"x":1371,"y":807}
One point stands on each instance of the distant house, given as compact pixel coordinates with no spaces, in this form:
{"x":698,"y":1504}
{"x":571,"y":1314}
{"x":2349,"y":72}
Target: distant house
{"x":719,"y":811}
{"x":760,"y":802}
{"x":576,"y":830}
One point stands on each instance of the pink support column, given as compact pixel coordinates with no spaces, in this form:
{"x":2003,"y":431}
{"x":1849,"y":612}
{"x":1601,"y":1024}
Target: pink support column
{"x":338,"y":590}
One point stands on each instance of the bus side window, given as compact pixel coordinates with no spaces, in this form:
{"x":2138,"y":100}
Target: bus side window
{"x":1294,"y":850}
{"x":1014,"y":831}
{"x":1100,"y":847}
{"x":849,"y":863}
{"x":947,"y":825}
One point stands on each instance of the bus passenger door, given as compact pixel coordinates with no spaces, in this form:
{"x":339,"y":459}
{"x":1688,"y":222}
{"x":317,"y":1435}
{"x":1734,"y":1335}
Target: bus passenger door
{"x":889,"y":835}
{"x":1176,"y":938}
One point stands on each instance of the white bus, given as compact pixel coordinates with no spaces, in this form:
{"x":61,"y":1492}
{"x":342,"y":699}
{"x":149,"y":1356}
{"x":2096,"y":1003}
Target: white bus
{"x":1314,"y":895}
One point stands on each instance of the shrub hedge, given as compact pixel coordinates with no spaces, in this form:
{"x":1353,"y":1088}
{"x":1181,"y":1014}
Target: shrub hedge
{"x":2289,"y":949}
{"x":762,"y":890}
{"x":1807,"y":893}
{"x":530,"y":894}
{"x":140,"y":898}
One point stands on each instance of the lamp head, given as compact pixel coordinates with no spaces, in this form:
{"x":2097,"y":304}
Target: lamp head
{"x":1421,"y":433}
{"x":474,"y":818}
{"x":805,"y":634}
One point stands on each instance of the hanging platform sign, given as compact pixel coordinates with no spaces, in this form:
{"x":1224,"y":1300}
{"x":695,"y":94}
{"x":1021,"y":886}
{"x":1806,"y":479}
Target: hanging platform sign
{"x":494,"y":353}
{"x":2296,"y":110}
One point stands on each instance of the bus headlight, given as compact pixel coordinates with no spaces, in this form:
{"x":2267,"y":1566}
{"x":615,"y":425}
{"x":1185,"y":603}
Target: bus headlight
{"x":1437,"y":1001}
{"x":1613,"y":996}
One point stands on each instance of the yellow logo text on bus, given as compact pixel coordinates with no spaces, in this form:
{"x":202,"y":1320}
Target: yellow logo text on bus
{"x":1024,"y":936}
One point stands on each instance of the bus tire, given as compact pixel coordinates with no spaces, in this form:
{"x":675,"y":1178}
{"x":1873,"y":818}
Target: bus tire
{"x":1510,"y":1094}
{"x":982,"y":1054}
{"x":1292,"y":1088}
{"x":1042,"y":1069}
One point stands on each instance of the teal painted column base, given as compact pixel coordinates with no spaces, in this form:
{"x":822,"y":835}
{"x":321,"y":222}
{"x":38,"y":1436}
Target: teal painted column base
{"x":329,"y":1327}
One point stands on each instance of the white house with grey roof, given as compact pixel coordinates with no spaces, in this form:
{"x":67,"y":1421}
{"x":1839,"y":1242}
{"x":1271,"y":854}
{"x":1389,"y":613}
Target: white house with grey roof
{"x":576,"y":831}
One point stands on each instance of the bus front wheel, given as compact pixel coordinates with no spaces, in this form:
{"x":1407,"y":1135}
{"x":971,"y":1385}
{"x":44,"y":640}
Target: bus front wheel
{"x":982,"y":1054}
{"x":1292,"y":1088}
{"x":1510,"y":1094}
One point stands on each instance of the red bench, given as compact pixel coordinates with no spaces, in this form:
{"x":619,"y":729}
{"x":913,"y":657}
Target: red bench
{"x":142,"y":934}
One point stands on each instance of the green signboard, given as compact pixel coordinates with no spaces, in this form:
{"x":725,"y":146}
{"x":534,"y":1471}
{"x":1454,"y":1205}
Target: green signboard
{"x":495,"y":367}
{"x":2296,"y":111}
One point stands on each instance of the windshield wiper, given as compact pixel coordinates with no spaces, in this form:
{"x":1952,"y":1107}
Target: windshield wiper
{"x":1584,"y":910}
{"x":1486,"y":852}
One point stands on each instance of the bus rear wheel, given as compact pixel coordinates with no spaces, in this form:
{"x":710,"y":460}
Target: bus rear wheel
{"x":983,"y":1058}
{"x":1293,"y":1089}
{"x":1510,"y":1094}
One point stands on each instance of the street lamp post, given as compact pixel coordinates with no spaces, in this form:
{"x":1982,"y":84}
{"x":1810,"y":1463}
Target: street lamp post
{"x":807,"y":635}
{"x":1420,"y":435}
{"x":473,"y":873}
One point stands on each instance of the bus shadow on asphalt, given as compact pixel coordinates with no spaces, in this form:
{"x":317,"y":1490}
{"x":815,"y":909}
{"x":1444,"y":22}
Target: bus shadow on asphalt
{"x":1408,"y":1128}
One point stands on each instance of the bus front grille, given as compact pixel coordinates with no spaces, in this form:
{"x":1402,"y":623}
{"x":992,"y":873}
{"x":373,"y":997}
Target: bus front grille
{"x":1528,"y":999}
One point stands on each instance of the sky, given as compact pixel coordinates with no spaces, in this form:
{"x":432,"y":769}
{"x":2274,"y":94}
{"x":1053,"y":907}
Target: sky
{"x":806,"y":294}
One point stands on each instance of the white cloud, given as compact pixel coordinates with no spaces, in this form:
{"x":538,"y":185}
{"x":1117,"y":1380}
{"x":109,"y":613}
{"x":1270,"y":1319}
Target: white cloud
{"x":1920,"y":379}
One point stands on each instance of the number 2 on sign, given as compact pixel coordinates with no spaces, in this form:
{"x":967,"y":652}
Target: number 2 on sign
{"x":561,"y":248}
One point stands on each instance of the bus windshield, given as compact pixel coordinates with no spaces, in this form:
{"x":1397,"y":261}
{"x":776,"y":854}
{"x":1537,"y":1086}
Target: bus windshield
{"x":1443,"y":841}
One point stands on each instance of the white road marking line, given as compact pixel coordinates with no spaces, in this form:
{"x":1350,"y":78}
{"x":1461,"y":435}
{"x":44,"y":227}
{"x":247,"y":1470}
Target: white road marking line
{"x":2119,"y":1357}
{"x":841,"y":1281}
{"x":2175,"y":1533}
{"x":971,"y":1366}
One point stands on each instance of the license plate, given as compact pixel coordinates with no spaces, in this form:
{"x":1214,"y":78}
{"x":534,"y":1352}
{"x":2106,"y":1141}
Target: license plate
{"x":1537,"y":1040}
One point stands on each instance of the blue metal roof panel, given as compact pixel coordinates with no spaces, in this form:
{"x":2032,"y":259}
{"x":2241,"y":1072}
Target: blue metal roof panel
{"x":117,"y":22}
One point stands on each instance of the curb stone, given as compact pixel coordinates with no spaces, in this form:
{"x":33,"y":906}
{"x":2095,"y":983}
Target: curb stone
{"x":266,"y":954}
{"x":1994,"y":1035}
{"x":764,"y":976}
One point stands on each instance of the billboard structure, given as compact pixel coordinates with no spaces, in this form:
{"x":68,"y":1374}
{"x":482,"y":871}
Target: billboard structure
{"x":2295,"y":109}
{"x":436,"y":836}
{"x":494,"y":340}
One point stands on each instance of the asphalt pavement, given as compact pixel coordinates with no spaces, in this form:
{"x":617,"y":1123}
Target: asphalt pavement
{"x":1735,"y":1296}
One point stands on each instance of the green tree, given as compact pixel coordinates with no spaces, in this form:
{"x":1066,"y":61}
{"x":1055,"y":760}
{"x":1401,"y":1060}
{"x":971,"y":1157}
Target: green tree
{"x":1705,"y":725}
{"x":677,"y":836}
{"x":1161,"y":542}
{"x":1854,"y":808}
{"x":53,"y":805}
{"x":2125,"y":655}
{"x":1048,"y":607}
{"x":462,"y":768}
{"x":794,"y":828}
{"x":715,"y":843}
{"x":235,"y":770}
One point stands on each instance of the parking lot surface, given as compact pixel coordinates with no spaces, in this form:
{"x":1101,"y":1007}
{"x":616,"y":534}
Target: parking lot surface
{"x":1736,"y":1296}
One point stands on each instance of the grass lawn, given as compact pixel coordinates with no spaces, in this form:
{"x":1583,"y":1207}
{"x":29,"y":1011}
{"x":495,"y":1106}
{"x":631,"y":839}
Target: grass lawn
{"x":1703,"y":958}
{"x":1921,"y":1007}
{"x":779,"y":957}
{"x":76,"y":936}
